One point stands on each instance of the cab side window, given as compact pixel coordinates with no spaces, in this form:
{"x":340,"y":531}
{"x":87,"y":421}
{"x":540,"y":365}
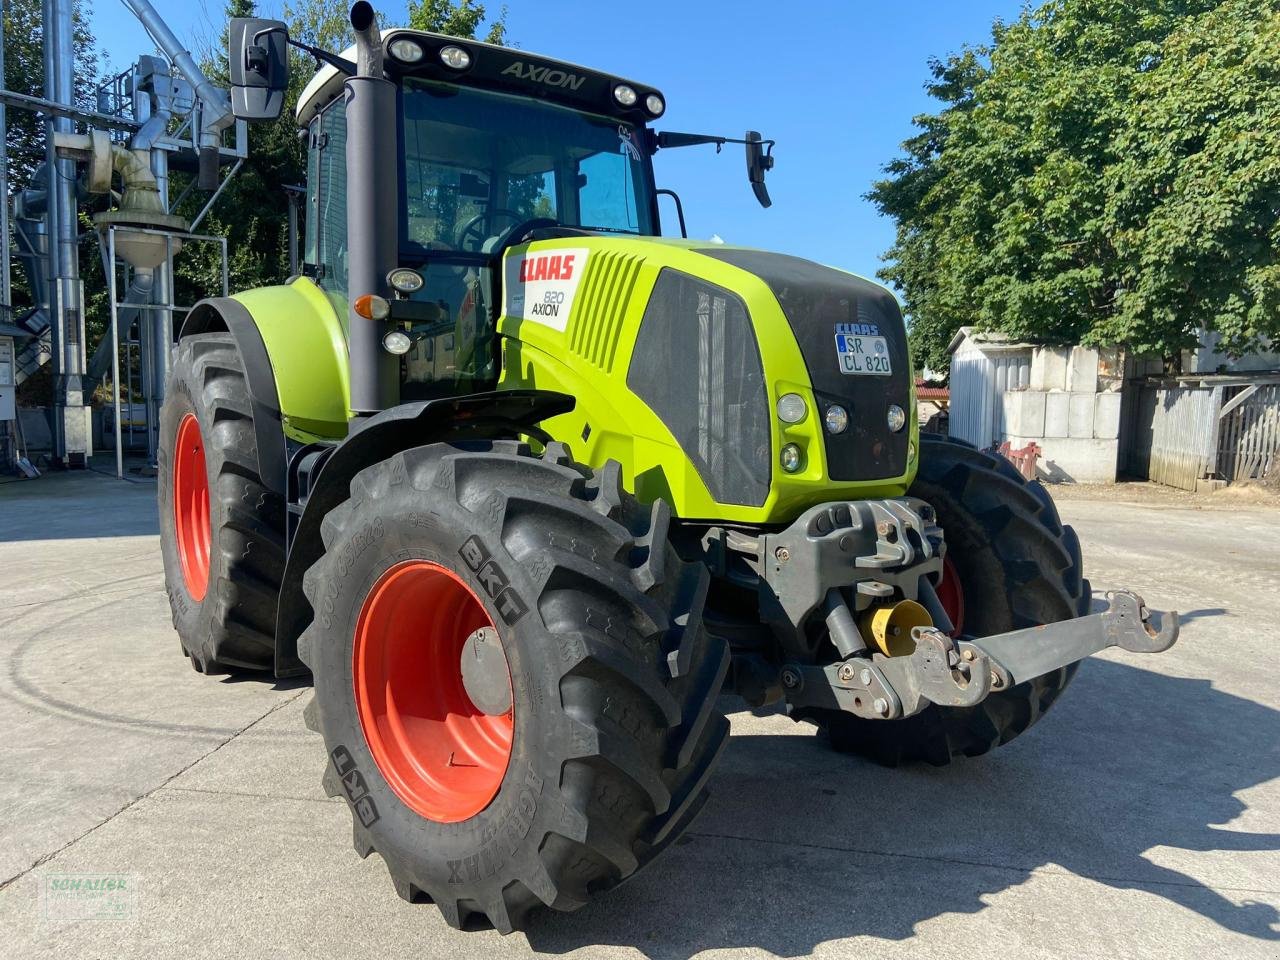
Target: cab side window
{"x":327,"y":182}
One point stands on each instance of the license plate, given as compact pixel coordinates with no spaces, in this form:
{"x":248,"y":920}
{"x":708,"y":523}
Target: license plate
{"x":861,"y":354}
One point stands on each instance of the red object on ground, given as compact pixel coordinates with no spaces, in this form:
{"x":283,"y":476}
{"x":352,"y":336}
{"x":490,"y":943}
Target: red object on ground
{"x":191,"y":507}
{"x":441,"y":754}
{"x":1024,"y":459}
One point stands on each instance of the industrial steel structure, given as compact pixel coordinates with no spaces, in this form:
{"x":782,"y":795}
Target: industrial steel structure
{"x":160,"y":113}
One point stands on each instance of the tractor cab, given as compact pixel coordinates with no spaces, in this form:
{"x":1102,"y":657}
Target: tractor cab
{"x":495,"y":146}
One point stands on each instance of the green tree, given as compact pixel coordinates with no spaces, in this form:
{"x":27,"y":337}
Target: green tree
{"x":457,"y":18}
{"x":1193,"y":205}
{"x":24,"y":73}
{"x":1039,"y":201}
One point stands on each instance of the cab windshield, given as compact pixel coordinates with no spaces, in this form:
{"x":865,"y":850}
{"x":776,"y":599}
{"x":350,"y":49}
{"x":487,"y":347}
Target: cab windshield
{"x":477,"y":164}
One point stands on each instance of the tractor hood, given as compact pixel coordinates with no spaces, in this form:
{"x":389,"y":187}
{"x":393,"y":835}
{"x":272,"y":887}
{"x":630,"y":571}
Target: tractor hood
{"x":679,"y":354}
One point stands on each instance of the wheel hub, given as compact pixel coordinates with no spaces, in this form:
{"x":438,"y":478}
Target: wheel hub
{"x":485,"y":674}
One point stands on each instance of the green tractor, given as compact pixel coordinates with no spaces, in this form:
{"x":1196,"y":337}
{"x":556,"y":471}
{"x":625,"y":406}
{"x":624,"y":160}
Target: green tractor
{"x":518,"y":651}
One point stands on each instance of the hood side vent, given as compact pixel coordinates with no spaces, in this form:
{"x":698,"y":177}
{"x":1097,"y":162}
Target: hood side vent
{"x":602,"y":304}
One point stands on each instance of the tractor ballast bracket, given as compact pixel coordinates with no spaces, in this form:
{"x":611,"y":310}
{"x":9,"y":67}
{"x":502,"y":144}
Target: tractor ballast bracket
{"x":960,"y":673}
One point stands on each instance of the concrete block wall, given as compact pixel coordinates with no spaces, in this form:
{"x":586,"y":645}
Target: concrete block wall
{"x":1071,"y":411}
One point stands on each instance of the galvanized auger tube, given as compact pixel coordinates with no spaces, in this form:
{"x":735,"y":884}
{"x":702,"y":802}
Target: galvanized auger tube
{"x":372,"y":202}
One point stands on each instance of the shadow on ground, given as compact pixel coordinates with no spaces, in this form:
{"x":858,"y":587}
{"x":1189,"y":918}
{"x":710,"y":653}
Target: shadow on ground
{"x":1130,"y":762}
{"x":74,"y":505}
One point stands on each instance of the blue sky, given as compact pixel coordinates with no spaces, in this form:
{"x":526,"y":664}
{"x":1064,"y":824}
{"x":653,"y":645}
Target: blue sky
{"x":836,"y":87}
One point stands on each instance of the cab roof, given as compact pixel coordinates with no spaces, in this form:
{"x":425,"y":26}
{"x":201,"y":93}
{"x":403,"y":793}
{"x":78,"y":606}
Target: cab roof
{"x":495,"y":68}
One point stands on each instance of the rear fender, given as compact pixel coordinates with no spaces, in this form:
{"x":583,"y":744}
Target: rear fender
{"x":495,"y":415}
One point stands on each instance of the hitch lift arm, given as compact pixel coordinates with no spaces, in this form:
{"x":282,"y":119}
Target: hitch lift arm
{"x":961,"y":673}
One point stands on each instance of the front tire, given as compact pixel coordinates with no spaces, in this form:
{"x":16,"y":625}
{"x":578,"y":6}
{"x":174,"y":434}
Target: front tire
{"x":604,"y":756}
{"x":1011,"y":563}
{"x":221,"y":529}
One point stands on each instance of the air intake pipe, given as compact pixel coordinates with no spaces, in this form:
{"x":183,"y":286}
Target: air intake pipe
{"x":372,"y":204}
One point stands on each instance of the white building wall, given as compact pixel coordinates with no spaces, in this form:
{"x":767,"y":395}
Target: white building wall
{"x":1065,"y":399}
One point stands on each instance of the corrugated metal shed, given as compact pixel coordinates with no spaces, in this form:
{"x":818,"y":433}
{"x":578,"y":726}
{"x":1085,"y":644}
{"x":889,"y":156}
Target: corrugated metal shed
{"x":984,"y":366}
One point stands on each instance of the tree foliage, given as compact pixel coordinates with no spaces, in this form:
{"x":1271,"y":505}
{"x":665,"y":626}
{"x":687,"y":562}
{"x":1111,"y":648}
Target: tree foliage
{"x":24,"y":73}
{"x":1104,"y":171}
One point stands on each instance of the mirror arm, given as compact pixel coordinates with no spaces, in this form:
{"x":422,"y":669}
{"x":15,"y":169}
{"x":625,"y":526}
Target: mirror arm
{"x":322,"y":56}
{"x":342,"y":64}
{"x":670,"y":140}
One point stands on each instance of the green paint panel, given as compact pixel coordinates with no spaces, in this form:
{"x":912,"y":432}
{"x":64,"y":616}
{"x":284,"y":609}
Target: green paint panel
{"x":307,"y":346}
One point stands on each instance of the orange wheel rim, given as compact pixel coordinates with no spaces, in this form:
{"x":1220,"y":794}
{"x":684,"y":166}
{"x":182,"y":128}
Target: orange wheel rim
{"x":442,"y":755}
{"x":191,"y":507}
{"x":951,"y":596}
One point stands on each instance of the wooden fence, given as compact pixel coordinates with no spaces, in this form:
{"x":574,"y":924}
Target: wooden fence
{"x":1185,"y":432}
{"x":1249,"y":432}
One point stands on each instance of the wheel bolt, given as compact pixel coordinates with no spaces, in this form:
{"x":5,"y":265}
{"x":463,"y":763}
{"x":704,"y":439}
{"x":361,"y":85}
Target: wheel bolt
{"x":846,"y":671}
{"x":865,"y":677}
{"x":782,"y":554}
{"x":790,"y":679}
{"x":881,"y":706}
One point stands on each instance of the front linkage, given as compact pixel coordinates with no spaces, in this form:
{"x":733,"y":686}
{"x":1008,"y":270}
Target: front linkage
{"x":839,"y":560}
{"x":961,"y":673}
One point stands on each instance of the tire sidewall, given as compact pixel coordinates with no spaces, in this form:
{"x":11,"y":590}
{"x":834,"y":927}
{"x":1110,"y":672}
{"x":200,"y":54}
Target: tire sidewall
{"x":492,"y":844}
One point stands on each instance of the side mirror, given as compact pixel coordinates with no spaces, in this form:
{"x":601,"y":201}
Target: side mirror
{"x":759,"y":162}
{"x":258,"y":55}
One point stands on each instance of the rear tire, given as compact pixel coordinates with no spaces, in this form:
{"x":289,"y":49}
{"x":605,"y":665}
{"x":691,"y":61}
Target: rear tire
{"x":1018,"y":566}
{"x":607,"y":756}
{"x":214,"y":505}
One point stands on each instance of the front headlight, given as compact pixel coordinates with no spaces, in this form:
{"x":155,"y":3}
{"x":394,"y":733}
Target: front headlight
{"x":896,"y":418}
{"x":404,"y":280}
{"x":791,"y":458}
{"x":836,"y":419}
{"x":397,"y":342}
{"x":792,"y":408}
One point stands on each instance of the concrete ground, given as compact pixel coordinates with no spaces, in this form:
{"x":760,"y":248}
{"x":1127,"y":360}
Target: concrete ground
{"x":1141,"y":819}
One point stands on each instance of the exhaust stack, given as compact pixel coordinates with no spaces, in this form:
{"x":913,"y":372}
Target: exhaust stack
{"x":372,"y":204}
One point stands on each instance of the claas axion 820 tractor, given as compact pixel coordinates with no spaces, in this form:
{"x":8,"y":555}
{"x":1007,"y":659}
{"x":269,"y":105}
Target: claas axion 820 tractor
{"x":518,"y":650}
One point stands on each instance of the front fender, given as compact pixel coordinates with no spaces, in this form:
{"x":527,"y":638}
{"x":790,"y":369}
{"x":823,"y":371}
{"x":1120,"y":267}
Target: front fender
{"x":496,"y":415}
{"x":307,"y":345}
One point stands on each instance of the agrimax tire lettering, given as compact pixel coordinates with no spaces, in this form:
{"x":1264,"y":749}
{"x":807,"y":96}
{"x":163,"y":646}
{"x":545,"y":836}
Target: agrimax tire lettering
{"x":504,"y":838}
{"x":360,"y":541}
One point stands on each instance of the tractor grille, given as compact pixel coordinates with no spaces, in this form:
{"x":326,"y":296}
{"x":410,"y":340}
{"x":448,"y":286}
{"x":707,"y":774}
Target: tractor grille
{"x":606,"y":293}
{"x":697,"y":365}
{"x":815,"y":299}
